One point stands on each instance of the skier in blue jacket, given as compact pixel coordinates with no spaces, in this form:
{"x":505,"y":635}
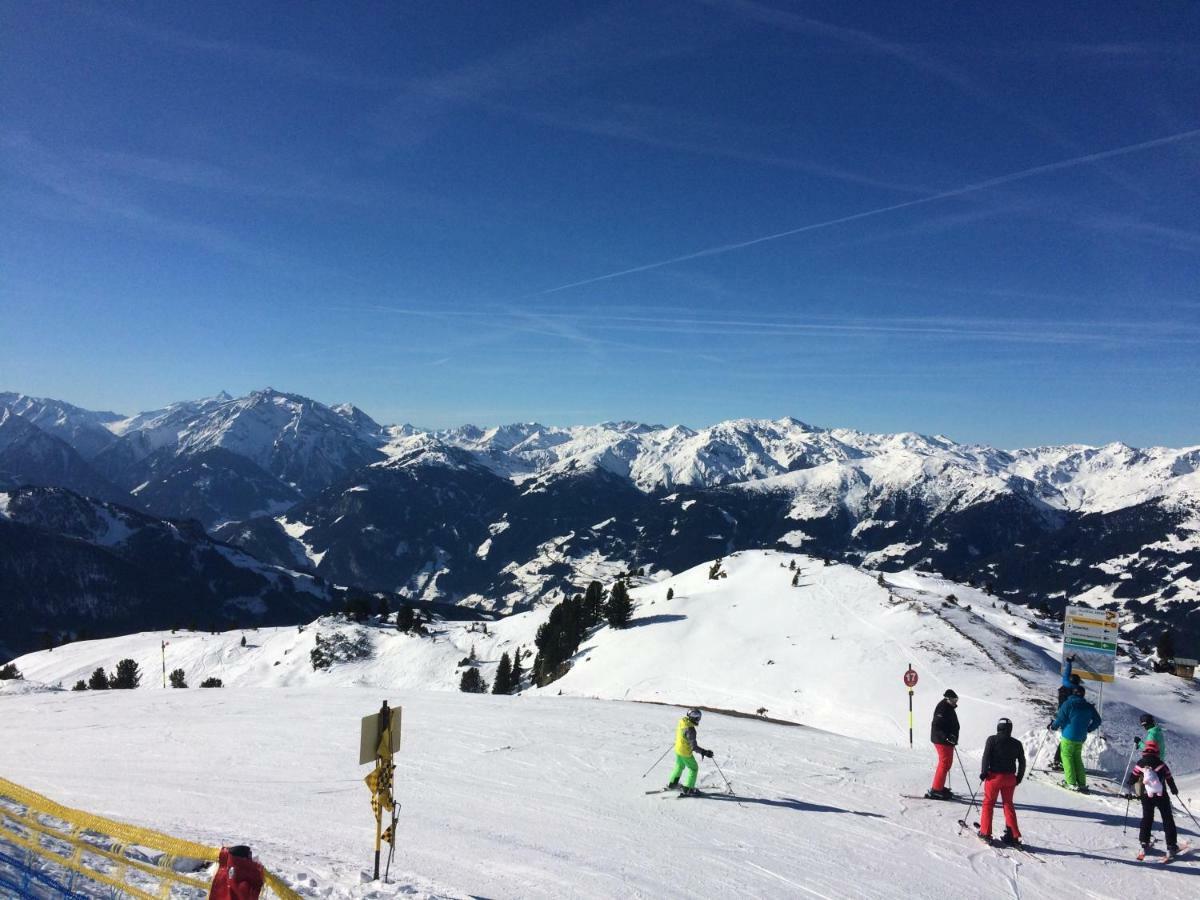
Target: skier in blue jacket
{"x":1070,"y":681}
{"x":1077,"y":718}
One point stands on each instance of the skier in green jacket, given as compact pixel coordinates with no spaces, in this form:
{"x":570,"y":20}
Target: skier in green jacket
{"x":1154,"y":733}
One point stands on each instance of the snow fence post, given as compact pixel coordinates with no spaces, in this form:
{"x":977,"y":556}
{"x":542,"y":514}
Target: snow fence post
{"x":910,"y":682}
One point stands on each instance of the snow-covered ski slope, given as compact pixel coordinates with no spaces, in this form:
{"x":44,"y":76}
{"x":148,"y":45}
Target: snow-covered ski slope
{"x":829,"y":652}
{"x":541,"y":796}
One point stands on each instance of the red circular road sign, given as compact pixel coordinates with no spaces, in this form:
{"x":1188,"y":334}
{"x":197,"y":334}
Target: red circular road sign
{"x":910,"y":678}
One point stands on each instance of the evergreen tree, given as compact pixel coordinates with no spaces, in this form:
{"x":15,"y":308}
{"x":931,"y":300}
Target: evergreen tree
{"x":385,"y":608}
{"x":1165,"y":647}
{"x":405,"y":618}
{"x":879,"y":579}
{"x":99,"y":680}
{"x":503,"y":683}
{"x":670,"y":593}
{"x":792,"y":565}
{"x":10,"y":673}
{"x":127,"y":677}
{"x":358,"y":606}
{"x":517,"y":673}
{"x":796,"y":580}
{"x":177,"y":679}
{"x":619,"y":607}
{"x":472,"y":682}
{"x":80,"y":685}
{"x":212,"y":683}
{"x":471,"y":655}
{"x":593,"y":602}
{"x":243,"y":640}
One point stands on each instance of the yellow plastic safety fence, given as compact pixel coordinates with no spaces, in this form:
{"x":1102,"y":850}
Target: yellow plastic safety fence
{"x":50,"y":850}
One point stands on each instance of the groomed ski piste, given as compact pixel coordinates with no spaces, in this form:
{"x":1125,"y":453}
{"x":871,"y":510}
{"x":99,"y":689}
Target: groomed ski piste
{"x":543,"y":795}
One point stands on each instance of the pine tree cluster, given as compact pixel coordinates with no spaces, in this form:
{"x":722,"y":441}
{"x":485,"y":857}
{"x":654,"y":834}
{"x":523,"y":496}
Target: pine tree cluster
{"x":559,"y":637}
{"x":508,"y":674}
{"x":10,"y":673}
{"x":472,"y":682}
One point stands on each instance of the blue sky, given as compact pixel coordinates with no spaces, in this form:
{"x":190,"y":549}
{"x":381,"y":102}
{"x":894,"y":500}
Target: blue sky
{"x":488,"y":211}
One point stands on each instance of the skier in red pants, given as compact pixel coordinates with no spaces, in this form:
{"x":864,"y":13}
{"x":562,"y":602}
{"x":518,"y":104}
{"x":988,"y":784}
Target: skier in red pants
{"x":944,"y":735}
{"x":1002,"y":769}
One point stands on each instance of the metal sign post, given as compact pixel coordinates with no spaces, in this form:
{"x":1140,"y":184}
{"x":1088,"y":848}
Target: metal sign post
{"x":379,"y":739}
{"x":910,"y":682}
{"x":1091,"y":635}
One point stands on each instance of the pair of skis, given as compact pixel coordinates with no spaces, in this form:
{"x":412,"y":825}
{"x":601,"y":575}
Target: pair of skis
{"x":1166,"y":857}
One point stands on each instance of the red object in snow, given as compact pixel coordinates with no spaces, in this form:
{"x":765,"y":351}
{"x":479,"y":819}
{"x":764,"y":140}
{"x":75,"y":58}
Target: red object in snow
{"x":910,"y":678}
{"x":238,"y":876}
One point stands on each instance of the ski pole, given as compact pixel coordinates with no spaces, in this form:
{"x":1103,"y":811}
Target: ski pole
{"x":962,"y":823}
{"x":728,"y":786}
{"x":657,"y":761}
{"x":1129,"y":762}
{"x":1186,"y":810}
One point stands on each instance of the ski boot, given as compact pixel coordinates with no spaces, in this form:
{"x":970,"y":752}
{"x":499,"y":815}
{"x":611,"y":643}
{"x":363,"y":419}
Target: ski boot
{"x":689,"y":792}
{"x":1009,"y":839}
{"x":673,"y":786}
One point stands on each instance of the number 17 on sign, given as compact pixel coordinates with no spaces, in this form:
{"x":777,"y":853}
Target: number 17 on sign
{"x":910,"y":682}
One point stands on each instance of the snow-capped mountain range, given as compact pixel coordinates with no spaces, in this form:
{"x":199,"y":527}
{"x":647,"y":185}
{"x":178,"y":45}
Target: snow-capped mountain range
{"x":503,"y":517}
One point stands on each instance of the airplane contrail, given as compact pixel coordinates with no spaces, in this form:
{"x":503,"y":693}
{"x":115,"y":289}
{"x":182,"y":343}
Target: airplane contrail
{"x":920,"y":201}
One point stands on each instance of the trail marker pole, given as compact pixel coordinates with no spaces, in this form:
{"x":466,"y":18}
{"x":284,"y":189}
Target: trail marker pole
{"x":164,"y":658}
{"x":910,"y":682}
{"x":379,"y":739}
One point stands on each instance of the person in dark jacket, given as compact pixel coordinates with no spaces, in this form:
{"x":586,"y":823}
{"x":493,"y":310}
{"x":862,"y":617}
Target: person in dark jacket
{"x":1155,"y":778}
{"x":944,"y":735}
{"x":1070,"y":681}
{"x":1002,"y":769}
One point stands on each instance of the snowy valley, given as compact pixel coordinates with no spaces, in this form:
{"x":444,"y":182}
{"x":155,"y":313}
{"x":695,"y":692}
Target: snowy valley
{"x":505,"y":518}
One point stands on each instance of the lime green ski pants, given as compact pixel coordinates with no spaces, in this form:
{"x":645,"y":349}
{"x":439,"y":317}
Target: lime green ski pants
{"x":681,"y":763}
{"x":1072,"y":760}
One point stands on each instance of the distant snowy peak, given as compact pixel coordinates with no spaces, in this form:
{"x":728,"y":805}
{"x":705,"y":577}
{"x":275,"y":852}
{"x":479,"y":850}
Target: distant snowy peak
{"x":85,"y":430}
{"x":304,"y":443}
{"x":758,"y":453}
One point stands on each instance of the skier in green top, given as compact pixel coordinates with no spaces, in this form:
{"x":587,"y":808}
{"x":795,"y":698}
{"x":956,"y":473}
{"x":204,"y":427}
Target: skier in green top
{"x":1154,"y":733}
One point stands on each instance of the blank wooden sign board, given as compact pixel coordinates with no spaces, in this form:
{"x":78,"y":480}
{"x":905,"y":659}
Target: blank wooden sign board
{"x":368,"y":739}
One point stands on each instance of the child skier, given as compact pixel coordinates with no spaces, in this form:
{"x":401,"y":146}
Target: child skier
{"x":1077,"y":718}
{"x":1155,"y":778}
{"x":1154,"y":733}
{"x":685,"y":747}
{"x":1002,"y":769}
{"x":239,"y":876}
{"x":943,"y":733}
